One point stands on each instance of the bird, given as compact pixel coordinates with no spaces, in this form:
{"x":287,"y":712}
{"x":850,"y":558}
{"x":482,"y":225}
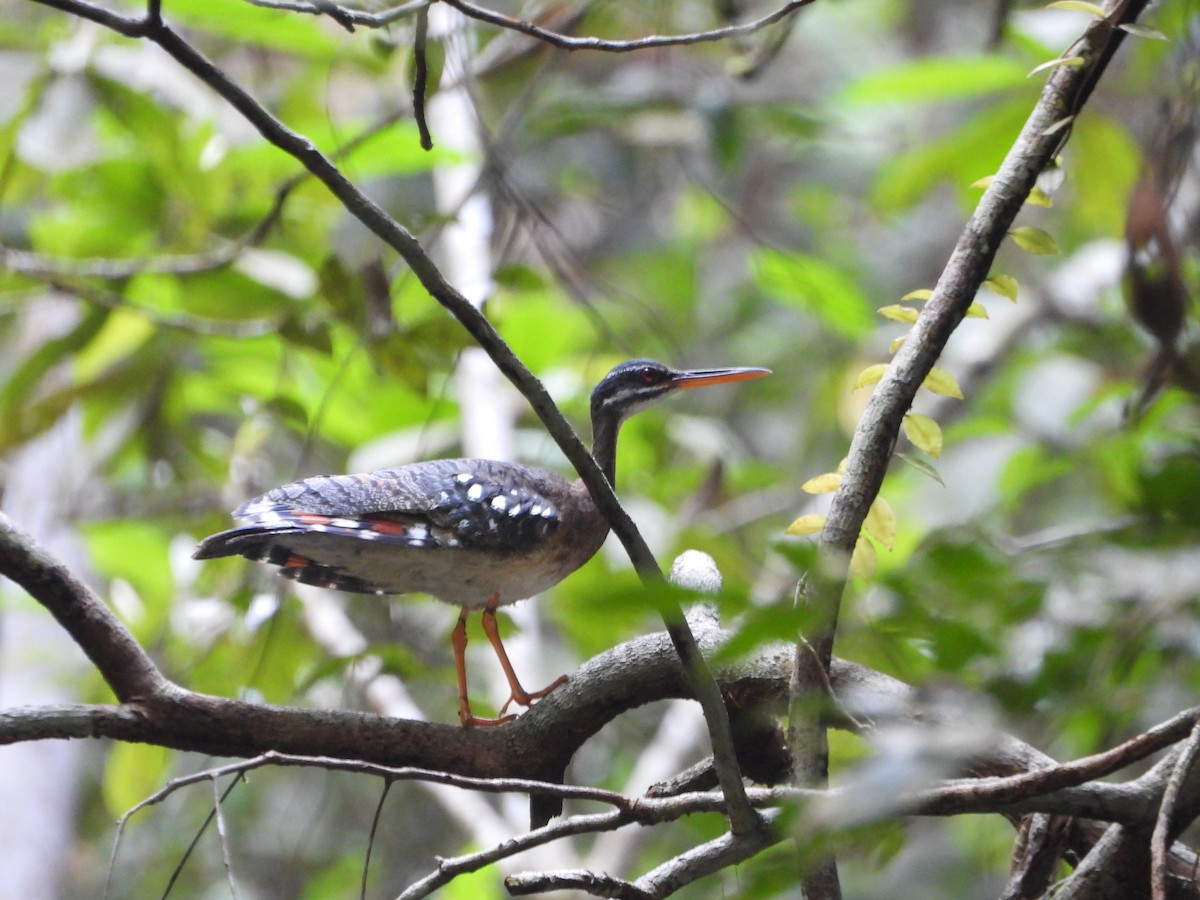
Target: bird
{"x":474,"y":533}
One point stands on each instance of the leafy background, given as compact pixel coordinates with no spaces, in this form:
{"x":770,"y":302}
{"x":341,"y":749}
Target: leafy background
{"x":652,"y":204}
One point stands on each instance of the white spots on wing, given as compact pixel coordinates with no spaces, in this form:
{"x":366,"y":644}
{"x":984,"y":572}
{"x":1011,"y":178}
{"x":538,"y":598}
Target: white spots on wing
{"x":464,"y":477}
{"x":548,"y":513}
{"x":515,"y":511}
{"x":345,"y":523}
{"x":535,"y":510}
{"x":443,"y":496}
{"x":371,"y":535}
{"x":500,"y":502}
{"x":475,"y":491}
{"x":317,"y":527}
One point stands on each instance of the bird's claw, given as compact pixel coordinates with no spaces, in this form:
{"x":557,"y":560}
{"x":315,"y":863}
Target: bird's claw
{"x":524,"y":698}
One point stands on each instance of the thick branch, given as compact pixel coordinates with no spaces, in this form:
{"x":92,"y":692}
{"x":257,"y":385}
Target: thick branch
{"x":108,"y":644}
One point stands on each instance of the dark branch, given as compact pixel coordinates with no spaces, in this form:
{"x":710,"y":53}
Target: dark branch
{"x":569,"y":42}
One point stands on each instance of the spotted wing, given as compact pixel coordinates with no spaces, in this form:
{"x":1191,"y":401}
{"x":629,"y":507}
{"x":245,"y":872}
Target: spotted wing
{"x":444,"y":504}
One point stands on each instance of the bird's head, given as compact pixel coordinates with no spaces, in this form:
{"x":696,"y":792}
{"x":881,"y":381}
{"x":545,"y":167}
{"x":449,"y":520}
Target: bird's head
{"x":634,"y":385}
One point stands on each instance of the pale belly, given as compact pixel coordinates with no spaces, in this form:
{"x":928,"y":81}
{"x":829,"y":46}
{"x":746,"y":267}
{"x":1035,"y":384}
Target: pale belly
{"x":456,"y":575}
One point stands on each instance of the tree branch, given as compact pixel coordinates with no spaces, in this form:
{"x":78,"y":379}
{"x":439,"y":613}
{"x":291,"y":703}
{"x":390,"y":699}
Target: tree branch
{"x":569,"y":42}
{"x":1066,"y":90}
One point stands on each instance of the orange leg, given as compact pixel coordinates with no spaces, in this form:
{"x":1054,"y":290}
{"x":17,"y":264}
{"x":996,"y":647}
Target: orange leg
{"x":519,"y":694}
{"x":458,"y":639}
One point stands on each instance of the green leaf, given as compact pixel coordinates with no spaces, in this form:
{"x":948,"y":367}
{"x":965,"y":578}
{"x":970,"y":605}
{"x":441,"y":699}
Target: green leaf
{"x":934,"y":78}
{"x":918,"y":294}
{"x":924,"y":433}
{"x":122,"y":335}
{"x":921,"y":466}
{"x":246,"y":24}
{"x":939,"y":381}
{"x":1034,"y":240}
{"x":816,"y":286}
{"x":976,"y":311}
{"x":954,"y":159}
{"x":1003,"y":285}
{"x":132,"y":772}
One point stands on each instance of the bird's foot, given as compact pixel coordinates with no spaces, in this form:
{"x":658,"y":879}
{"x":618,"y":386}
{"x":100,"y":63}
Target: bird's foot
{"x":468,"y":719}
{"x":524,"y":698}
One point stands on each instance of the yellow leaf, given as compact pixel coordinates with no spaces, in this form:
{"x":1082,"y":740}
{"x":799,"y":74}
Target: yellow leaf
{"x":920,"y":294}
{"x":862,"y":560}
{"x":895,"y":345}
{"x":939,"y":381}
{"x":881,"y":523}
{"x":976,"y":311}
{"x":1004,"y":285}
{"x":869,"y":376}
{"x":1038,"y":197}
{"x":1034,"y":240}
{"x":809,"y":524}
{"x":983,"y":182}
{"x":898,"y":313}
{"x":822,"y":484}
{"x":1079,"y":6}
{"x":1073,"y":61}
{"x":924,"y":432}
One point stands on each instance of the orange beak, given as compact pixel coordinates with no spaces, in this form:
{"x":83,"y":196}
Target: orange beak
{"x":691,"y":378}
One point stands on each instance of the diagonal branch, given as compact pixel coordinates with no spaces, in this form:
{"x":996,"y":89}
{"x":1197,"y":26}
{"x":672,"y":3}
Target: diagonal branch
{"x":1067,"y":88}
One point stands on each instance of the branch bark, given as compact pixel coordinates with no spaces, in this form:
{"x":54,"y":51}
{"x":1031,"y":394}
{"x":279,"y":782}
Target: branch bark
{"x":1067,"y":90}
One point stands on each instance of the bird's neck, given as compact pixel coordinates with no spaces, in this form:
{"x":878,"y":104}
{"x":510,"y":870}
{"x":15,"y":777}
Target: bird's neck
{"x":604,"y":445}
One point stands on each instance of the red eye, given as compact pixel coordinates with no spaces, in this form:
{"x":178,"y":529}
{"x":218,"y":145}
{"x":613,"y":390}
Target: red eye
{"x":649,"y":375}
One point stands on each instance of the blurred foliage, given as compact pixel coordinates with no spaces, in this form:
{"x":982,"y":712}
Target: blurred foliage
{"x":648,"y":204}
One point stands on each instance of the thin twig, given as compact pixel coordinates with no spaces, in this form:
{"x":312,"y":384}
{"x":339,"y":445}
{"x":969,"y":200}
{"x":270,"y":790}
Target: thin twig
{"x":223,"y":837}
{"x":347,"y":18}
{"x":421,"y":77}
{"x":570,"y":42}
{"x":1160,"y":841}
{"x":387,"y":786}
